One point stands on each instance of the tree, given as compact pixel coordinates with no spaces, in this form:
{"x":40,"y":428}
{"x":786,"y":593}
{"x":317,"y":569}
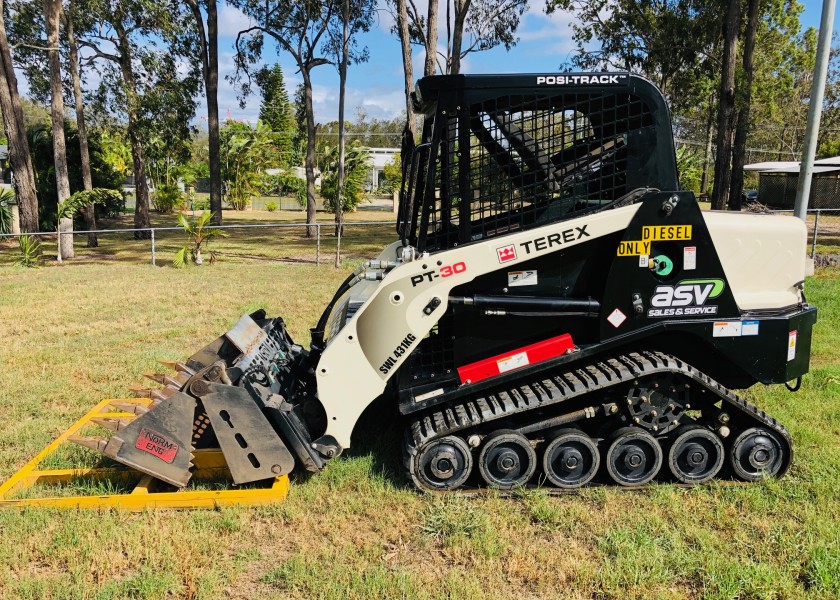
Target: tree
{"x":19,"y":157}
{"x":356,"y":168}
{"x":244,"y":154}
{"x":52,"y":20}
{"x":408,"y":68}
{"x":471,"y":26}
{"x":276,"y":111}
{"x":307,"y":31}
{"x":209,"y":51}
{"x":299,"y":28}
{"x":125,"y":36}
{"x":84,"y":150}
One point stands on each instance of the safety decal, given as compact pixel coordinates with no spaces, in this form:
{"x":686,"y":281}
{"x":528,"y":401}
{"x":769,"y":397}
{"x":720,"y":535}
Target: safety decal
{"x":666,"y":233}
{"x":522,"y":278}
{"x":513,"y":362}
{"x":506,"y":253}
{"x":157,"y":445}
{"x":791,"y":345}
{"x":644,"y":261}
{"x":690,"y":258}
{"x":727,"y":329}
{"x":616,"y":318}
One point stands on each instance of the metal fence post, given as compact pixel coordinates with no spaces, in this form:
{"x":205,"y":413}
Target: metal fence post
{"x":816,"y":229}
{"x":318,"y":245}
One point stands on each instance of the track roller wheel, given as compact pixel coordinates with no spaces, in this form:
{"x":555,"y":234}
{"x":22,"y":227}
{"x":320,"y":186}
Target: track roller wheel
{"x":507,"y":460}
{"x":696,"y":454}
{"x":443,"y":464}
{"x":758,"y":452}
{"x":571,"y":459}
{"x":633,"y":458}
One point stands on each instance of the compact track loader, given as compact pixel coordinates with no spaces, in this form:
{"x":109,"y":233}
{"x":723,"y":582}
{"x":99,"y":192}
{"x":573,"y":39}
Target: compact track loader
{"x":554,"y":310}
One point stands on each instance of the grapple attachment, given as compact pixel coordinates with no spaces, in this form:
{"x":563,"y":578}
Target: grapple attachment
{"x":206,"y":403}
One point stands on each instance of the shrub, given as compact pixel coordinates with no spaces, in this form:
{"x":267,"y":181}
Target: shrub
{"x":30,"y":251}
{"x":270,"y":205}
{"x":111,"y":203}
{"x":6,"y":196}
{"x":201,"y":204}
{"x":168,"y":198}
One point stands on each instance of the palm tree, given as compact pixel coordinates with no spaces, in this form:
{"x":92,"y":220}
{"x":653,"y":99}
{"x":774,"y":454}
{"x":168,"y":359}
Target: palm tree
{"x":199,"y":234}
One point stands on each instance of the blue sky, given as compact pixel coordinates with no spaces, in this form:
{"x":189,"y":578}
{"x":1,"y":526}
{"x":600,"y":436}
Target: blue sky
{"x":376,"y":86}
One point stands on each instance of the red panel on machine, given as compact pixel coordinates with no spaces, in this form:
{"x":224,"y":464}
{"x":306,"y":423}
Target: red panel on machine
{"x":515,"y":359}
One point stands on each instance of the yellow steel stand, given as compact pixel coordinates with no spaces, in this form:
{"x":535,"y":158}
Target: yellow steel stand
{"x":145,"y":494}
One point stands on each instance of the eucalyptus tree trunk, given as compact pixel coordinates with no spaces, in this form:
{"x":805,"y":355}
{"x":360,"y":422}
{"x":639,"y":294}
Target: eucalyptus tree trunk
{"x":431,"y":38}
{"x":211,"y":79}
{"x":19,"y":158}
{"x":52,"y":18}
{"x":309,"y":162}
{"x":408,"y":68}
{"x":342,"y":85}
{"x":726,"y":107}
{"x":461,"y":9}
{"x":739,"y":149}
{"x":84,"y":152}
{"x":141,"y":186}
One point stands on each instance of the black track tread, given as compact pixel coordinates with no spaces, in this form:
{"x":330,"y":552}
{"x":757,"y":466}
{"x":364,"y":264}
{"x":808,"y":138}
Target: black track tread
{"x":550,"y":388}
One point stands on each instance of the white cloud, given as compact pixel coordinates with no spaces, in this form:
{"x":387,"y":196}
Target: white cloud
{"x":232,"y":21}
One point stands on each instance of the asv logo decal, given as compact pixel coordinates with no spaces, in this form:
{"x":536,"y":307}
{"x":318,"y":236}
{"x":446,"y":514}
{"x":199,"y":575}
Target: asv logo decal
{"x":688,"y":297}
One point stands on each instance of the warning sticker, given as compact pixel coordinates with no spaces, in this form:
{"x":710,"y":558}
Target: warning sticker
{"x":522,"y":278}
{"x":633,"y":248}
{"x":690,"y":258}
{"x":157,"y":445}
{"x":726,"y":329}
{"x":427,"y":395}
{"x":659,"y":233}
{"x":513,"y":362}
{"x":644,"y":260}
{"x":791,"y":345}
{"x":616,"y":318}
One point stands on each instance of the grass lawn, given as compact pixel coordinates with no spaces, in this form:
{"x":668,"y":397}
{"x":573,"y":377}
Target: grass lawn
{"x":78,"y":333}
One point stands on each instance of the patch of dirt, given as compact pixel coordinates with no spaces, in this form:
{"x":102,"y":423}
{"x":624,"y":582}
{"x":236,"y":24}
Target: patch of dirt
{"x":827,"y":260}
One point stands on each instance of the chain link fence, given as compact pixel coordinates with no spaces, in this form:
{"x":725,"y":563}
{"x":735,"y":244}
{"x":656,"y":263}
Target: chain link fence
{"x":263,"y":242}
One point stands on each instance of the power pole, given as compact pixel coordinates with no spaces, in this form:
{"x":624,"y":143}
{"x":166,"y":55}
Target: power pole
{"x":806,"y":170}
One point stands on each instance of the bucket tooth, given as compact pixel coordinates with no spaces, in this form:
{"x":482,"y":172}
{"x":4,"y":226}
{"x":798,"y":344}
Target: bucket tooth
{"x":93,"y":442}
{"x":160,"y":395}
{"x":139,"y":390}
{"x":177,"y":366}
{"x":159,"y":442}
{"x":130,"y":407}
{"x":112,"y":423}
{"x":176,"y":381}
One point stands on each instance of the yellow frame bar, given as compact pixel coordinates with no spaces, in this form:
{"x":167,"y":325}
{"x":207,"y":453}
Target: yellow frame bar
{"x":143,"y":495}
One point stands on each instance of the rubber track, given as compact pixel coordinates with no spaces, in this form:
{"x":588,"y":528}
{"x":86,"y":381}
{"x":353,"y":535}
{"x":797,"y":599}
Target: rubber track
{"x":542,"y":389}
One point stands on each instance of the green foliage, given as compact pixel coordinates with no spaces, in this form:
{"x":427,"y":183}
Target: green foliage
{"x":111,"y":204}
{"x":168,"y":198}
{"x":690,"y":169}
{"x":82,"y":199}
{"x":6,"y":196}
{"x":103,"y":174}
{"x":199,"y":235}
{"x":285,"y":184}
{"x":30,"y":251}
{"x":245,"y":152}
{"x":276,"y":113}
{"x":356,"y":163}
{"x":271,"y":205}
{"x":392,"y":174}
